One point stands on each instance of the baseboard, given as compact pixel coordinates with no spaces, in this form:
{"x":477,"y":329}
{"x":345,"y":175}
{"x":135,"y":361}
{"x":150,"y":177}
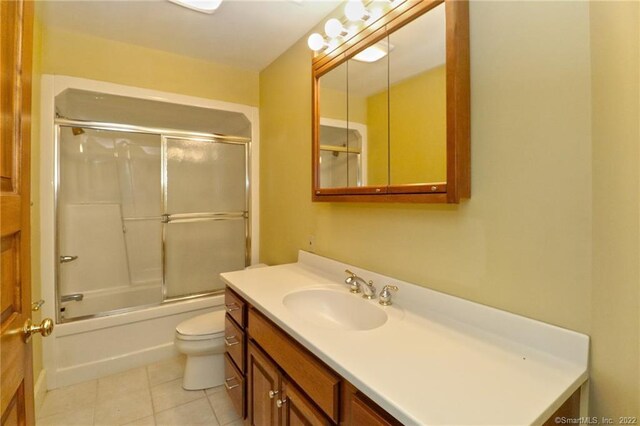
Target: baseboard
{"x":104,"y":367}
{"x":40,"y":390}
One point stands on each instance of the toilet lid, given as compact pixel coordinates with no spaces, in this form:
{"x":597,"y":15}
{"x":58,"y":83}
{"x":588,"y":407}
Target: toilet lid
{"x":210,"y":323}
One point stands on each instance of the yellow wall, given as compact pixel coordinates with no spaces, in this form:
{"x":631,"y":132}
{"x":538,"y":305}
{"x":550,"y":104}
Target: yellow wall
{"x":36,"y":285}
{"x":526,"y":239}
{"x":95,"y":58}
{"x":522,"y":242}
{"x":615,"y":306}
{"x":417,"y":125}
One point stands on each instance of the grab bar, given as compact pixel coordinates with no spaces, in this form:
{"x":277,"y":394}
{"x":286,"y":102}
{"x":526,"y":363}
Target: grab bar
{"x":76,"y":297}
{"x":67,"y":259}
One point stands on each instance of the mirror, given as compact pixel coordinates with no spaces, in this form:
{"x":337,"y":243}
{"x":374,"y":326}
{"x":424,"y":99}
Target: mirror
{"x":391,"y":109}
{"x":417,"y":101}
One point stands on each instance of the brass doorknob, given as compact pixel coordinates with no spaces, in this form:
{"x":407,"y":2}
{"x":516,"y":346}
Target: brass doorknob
{"x":44,"y":328}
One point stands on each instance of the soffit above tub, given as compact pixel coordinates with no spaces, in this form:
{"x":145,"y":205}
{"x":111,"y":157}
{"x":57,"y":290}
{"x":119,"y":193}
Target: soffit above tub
{"x":84,"y":105}
{"x":241,"y":33}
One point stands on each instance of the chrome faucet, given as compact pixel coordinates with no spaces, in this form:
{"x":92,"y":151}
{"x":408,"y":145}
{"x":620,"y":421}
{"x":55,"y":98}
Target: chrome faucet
{"x":385,"y":294}
{"x":75,"y":297}
{"x":359,"y":285}
{"x":354,"y":281}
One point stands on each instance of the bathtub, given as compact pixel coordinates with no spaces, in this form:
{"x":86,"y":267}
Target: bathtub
{"x":96,"y":347}
{"x":111,"y":299}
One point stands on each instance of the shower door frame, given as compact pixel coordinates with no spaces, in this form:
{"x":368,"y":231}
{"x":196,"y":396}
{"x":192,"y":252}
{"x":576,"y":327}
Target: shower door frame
{"x":165,"y":219}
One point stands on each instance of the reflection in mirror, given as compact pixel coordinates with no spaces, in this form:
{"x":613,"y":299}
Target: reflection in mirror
{"x":417,"y":101}
{"x":333,"y":131}
{"x":368,"y":104}
{"x":342,"y":153}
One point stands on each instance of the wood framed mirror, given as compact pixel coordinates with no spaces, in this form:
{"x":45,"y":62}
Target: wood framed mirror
{"x":391,"y":108}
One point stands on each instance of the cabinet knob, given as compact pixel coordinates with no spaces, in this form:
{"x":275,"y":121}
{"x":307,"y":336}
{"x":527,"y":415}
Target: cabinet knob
{"x":272,"y":394}
{"x":281,"y":402}
{"x":229,"y":380}
{"x":231,"y":341}
{"x":232,"y":307}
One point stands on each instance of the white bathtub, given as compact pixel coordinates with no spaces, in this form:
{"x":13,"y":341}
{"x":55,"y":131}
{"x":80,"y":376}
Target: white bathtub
{"x":92,"y":348}
{"x":95,"y":347}
{"x":111,"y":299}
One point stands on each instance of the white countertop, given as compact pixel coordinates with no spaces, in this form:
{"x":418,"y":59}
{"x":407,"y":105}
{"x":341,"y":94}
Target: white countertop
{"x":438,"y":360}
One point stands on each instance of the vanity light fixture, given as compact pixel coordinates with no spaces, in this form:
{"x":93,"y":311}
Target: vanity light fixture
{"x":333,"y":28}
{"x":316,"y":42}
{"x":355,"y":11}
{"x":375,"y":52}
{"x":337,"y":31}
{"x":203,"y":6}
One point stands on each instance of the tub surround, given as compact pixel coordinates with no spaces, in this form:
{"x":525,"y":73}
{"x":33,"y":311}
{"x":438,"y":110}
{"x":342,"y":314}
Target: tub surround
{"x":438,"y":359}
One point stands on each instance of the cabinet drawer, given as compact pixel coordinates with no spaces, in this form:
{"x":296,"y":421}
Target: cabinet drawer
{"x":236,"y":307}
{"x":311,"y":375}
{"x":234,"y":342}
{"x":235,"y":384}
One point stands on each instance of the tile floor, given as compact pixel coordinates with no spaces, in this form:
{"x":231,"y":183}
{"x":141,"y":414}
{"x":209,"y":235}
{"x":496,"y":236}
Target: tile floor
{"x":150,"y":395}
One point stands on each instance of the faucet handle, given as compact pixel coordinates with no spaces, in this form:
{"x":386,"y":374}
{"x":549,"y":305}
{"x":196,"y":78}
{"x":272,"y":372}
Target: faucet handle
{"x":351,"y":281}
{"x":385,"y":294}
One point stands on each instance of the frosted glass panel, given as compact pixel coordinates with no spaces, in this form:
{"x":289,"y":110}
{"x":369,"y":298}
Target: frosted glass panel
{"x":198,"y":251}
{"x":205,"y":177}
{"x":109,"y":207}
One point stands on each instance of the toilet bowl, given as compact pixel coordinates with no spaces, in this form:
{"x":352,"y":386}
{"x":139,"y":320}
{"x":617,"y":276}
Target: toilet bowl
{"x":201,"y":339}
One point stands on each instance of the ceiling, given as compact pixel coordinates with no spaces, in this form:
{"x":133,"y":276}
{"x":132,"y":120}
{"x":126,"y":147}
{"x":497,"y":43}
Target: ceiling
{"x":249,"y":34}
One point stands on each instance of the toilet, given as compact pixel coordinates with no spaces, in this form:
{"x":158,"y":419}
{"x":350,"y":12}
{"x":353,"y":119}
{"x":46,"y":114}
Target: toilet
{"x":201,"y":339}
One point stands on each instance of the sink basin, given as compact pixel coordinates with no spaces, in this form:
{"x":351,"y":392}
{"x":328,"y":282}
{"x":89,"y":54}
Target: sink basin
{"x":336,"y":309}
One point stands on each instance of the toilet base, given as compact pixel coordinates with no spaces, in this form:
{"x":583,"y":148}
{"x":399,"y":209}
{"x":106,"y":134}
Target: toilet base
{"x":204,"y":371}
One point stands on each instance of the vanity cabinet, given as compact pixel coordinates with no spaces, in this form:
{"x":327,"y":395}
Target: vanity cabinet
{"x":275,"y":400}
{"x":284,"y":384}
{"x":235,"y":341}
{"x":276,"y":381}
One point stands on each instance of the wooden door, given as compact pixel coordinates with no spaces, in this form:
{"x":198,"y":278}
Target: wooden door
{"x":16,"y":387}
{"x":298,"y":410}
{"x":263,"y":390}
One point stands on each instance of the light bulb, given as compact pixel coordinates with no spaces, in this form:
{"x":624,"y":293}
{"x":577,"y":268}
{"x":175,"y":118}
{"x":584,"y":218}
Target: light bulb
{"x":333,"y":28}
{"x":315,"y":42}
{"x":355,"y":10}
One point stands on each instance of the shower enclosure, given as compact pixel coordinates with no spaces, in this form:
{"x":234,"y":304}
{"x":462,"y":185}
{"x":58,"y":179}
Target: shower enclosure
{"x":152,"y":201}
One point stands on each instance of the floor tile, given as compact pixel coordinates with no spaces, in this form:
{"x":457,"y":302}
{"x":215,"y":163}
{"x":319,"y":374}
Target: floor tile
{"x":121,"y":383}
{"x":145,"y":421}
{"x":217,"y":389}
{"x":82,"y":417}
{"x":171,"y":394}
{"x":197,"y":412}
{"x":166,"y":370}
{"x":223,"y":408}
{"x":69,"y":398}
{"x":117,"y":409}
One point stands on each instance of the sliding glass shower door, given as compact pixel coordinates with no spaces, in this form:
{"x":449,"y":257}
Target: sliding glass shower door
{"x":144,"y":218}
{"x":205,"y":213}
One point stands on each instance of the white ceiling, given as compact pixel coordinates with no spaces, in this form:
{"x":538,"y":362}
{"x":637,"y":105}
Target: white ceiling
{"x":249,"y":34}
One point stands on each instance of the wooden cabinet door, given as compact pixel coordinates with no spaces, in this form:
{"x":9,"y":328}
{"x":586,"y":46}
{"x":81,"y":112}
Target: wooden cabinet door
{"x":16,"y":371}
{"x":364,"y":413}
{"x":298,"y":410}
{"x":263,"y":389}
